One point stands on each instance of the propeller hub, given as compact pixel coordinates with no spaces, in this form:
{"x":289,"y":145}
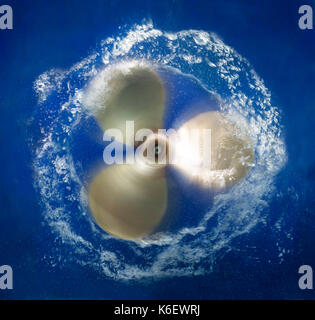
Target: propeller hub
{"x":152,"y":154}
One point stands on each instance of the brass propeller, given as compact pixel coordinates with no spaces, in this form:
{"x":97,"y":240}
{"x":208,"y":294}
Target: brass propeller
{"x":129,"y":201}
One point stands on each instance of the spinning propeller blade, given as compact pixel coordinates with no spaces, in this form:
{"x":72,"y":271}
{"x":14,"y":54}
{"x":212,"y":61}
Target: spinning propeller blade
{"x":127,"y":203}
{"x":138,"y":96}
{"x":231,"y":154}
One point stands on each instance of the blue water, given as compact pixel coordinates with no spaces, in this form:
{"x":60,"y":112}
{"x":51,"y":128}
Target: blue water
{"x":259,"y":264}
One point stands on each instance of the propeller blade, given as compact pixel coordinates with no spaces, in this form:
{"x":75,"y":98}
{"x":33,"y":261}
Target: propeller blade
{"x":127,"y":202}
{"x":138,"y":96}
{"x":231,"y":153}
